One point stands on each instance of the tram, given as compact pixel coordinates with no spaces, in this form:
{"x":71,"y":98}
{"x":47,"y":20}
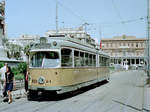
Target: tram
{"x":63,"y":64}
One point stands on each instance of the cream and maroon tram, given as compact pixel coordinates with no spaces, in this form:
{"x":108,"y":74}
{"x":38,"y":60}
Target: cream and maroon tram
{"x":64,"y":64}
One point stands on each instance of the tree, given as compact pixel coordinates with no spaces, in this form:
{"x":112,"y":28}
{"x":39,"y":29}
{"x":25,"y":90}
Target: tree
{"x":27,"y":50}
{"x":14,"y":51}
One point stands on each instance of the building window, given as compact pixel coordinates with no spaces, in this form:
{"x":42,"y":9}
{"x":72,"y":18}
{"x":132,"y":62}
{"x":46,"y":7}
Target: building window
{"x":119,"y":43}
{"x":107,"y":45}
{"x":136,"y":44}
{"x":128,"y":44}
{"x":132,"y":45}
{"x":124,"y":44}
{"x":141,"y":44}
{"x":110,"y":44}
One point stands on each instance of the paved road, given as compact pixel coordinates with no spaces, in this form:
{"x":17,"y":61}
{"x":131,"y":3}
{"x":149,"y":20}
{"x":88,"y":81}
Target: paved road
{"x":124,"y":93}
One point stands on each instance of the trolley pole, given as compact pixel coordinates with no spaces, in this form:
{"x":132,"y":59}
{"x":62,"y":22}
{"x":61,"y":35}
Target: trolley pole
{"x":148,"y":39}
{"x":56,"y":17}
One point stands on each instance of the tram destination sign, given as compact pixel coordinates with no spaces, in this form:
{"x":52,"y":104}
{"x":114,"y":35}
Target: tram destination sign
{"x":42,"y":46}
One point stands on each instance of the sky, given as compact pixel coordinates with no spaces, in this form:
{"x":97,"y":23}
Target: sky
{"x":106,"y":18}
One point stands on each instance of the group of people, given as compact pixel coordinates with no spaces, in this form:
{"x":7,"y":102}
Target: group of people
{"x":7,"y":82}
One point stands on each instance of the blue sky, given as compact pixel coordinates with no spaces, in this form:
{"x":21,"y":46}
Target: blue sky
{"x":104,"y":16}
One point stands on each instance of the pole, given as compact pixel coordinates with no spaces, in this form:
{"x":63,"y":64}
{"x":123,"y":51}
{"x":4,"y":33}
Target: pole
{"x":56,"y":17}
{"x":148,"y":34}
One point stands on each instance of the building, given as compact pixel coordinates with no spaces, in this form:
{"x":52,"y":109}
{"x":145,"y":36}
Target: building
{"x":125,"y":49}
{"x":3,"y":51}
{"x":24,"y":40}
{"x":78,"y":33}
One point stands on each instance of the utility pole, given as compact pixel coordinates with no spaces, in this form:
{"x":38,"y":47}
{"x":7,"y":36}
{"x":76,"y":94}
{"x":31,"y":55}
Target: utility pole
{"x":85,"y":26}
{"x":148,"y":39}
{"x":56,"y":17}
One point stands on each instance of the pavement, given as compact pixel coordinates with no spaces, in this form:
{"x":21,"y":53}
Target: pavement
{"x":18,"y":91}
{"x":146,"y":95}
{"x":17,"y":94}
{"x":146,"y":105}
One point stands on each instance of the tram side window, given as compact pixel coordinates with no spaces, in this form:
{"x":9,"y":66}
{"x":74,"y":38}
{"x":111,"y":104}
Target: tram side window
{"x":100,"y":60}
{"x":66,"y":57}
{"x":76,"y":59}
{"x":94,"y":60}
{"x":82,"y":58}
{"x":103,"y":61}
{"x":86,"y":59}
{"x":107,"y":62}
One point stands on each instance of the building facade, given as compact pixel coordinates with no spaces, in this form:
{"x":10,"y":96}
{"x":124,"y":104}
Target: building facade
{"x":78,"y":33}
{"x":3,"y":51}
{"x":24,"y":40}
{"x":125,"y":49}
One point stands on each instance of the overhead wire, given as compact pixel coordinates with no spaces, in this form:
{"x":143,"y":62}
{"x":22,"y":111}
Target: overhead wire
{"x":122,"y":21}
{"x":118,"y":14}
{"x":71,"y":12}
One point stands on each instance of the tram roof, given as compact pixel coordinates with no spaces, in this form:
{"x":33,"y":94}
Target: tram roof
{"x":66,"y":42}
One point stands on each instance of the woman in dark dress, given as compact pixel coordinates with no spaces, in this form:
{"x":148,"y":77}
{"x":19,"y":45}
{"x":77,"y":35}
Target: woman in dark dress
{"x":9,"y":82}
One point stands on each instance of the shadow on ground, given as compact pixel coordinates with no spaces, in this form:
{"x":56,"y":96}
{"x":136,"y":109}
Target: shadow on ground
{"x":57,"y":97}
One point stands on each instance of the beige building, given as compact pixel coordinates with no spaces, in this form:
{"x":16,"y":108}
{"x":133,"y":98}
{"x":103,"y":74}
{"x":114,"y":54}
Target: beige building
{"x":125,"y":49}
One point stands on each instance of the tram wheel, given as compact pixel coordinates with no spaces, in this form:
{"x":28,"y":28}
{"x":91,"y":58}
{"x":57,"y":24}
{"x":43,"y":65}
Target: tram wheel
{"x":31,"y":95}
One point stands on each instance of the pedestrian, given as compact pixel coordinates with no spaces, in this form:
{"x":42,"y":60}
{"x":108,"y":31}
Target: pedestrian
{"x":26,"y":80}
{"x":3,"y":71}
{"x":9,"y":82}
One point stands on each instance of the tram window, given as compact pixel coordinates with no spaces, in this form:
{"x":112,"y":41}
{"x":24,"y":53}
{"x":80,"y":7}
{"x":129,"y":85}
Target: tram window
{"x":76,"y":59}
{"x":94,"y":60}
{"x":103,"y":61}
{"x":90,"y":60}
{"x":108,"y":60}
{"x":66,"y":57}
{"x":86,"y":59}
{"x":82,"y":58}
{"x":100,"y":61}
{"x":45,"y":59}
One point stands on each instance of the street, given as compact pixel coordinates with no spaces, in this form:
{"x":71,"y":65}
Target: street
{"x":124,"y":93}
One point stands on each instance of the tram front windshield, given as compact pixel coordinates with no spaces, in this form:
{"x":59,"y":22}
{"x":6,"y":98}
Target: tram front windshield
{"x":45,"y":59}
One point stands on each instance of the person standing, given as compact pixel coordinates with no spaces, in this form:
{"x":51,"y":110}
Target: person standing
{"x":25,"y":80}
{"x":9,"y":82}
{"x":3,"y":71}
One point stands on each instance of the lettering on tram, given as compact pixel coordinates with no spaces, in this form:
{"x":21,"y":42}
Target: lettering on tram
{"x":63,"y":64}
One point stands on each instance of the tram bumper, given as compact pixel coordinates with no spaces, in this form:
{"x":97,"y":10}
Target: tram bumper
{"x":43,"y":88}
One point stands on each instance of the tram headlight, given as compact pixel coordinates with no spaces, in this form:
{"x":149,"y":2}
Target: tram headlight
{"x":55,"y":43}
{"x":41,"y":80}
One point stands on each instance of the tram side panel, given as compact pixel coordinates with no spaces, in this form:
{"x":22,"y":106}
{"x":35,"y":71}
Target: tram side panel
{"x":77,"y":75}
{"x":84,"y":75}
{"x":103,"y":73}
